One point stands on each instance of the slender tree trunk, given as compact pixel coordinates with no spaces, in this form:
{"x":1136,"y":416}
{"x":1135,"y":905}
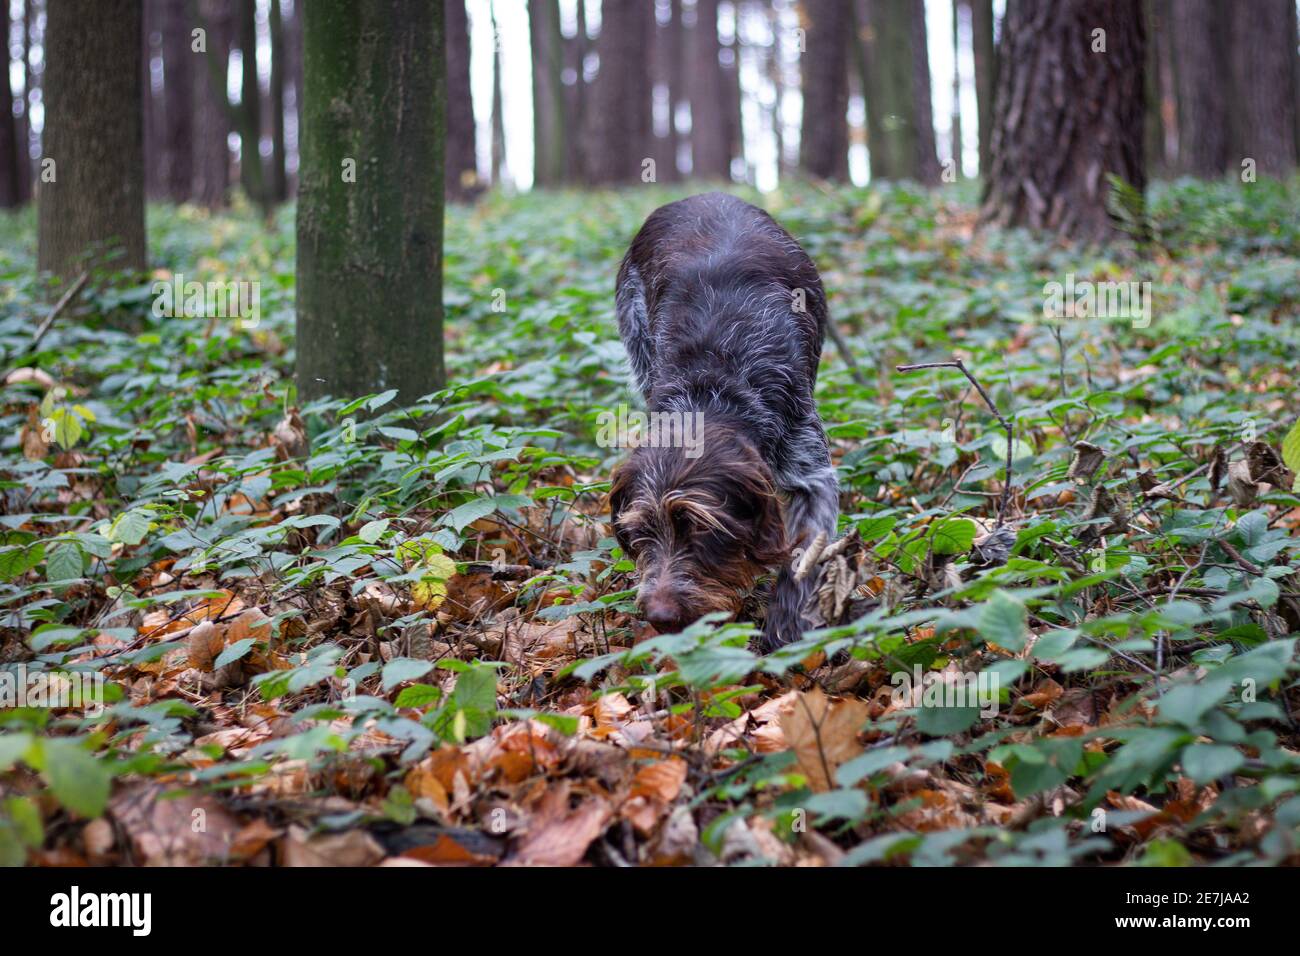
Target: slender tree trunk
{"x":10,"y":171}
{"x":824,"y":140}
{"x":1263,"y":56}
{"x":278,"y":177}
{"x":293,"y":75}
{"x":986,"y":73}
{"x":862,"y":43}
{"x":710,"y":158}
{"x":25,"y":119}
{"x":892,"y":91}
{"x":673,"y":59}
{"x":212,"y":110}
{"x":575,"y":53}
{"x":153,"y":116}
{"x":776,"y":73}
{"x":498,"y":120}
{"x":926,"y":161}
{"x":178,"y":100}
{"x":462,"y":148}
{"x":619,"y":128}
{"x":1068,"y":115}
{"x":549,"y":126}
{"x":370,"y":203}
{"x":92,"y":197}
{"x":729,"y":56}
{"x":252,"y":174}
{"x":954,"y":121}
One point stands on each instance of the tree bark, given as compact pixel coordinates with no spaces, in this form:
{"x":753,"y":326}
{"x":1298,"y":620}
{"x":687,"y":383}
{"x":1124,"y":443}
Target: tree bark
{"x":25,"y":118}
{"x":293,"y":76}
{"x":619,"y":129}
{"x":891,"y":94}
{"x":575,"y":58}
{"x":178,"y":100}
{"x":252,"y":175}
{"x":925,"y":160}
{"x":462,"y":150}
{"x":1263,"y":44}
{"x":824,"y":137}
{"x":549,"y":126}
{"x":369,"y":294}
{"x":710,"y":157}
{"x":986,"y":73}
{"x":277,"y":185}
{"x":1198,"y":31}
{"x":10,"y":172}
{"x":212,"y":110}
{"x":1068,"y":115}
{"x":92,"y":198}
{"x":153,"y":106}
{"x":498,"y":117}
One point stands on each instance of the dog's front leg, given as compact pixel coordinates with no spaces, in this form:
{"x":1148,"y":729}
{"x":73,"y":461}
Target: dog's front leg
{"x":813,"y":508}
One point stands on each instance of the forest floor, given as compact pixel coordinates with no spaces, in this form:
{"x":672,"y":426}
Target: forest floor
{"x":351,"y":632}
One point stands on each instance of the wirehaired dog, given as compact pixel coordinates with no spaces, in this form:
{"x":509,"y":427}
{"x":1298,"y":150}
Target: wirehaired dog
{"x":723,"y":313}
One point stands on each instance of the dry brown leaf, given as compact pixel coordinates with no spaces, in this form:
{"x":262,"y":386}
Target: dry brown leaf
{"x":353,"y":848}
{"x":188,"y":829}
{"x":558,"y":836}
{"x":823,"y":734}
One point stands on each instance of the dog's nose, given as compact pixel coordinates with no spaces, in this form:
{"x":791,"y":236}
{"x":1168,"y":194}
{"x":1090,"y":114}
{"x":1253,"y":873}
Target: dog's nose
{"x":664,"y":615}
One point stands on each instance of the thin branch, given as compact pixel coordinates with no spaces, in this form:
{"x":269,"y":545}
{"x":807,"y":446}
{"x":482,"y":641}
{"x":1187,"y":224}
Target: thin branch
{"x":961,"y":367}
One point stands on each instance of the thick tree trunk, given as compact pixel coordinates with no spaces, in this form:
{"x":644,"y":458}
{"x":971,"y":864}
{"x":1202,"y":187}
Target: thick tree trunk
{"x":212,"y":111}
{"x":986,"y":72}
{"x":824,"y":139}
{"x":462,"y":149}
{"x":178,"y":101}
{"x":710,"y":157}
{"x":1198,"y":30}
{"x":1263,"y":44}
{"x":370,"y":201}
{"x":1068,"y":115}
{"x":10,"y":171}
{"x":277,"y":178}
{"x":619,"y":129}
{"x":550,"y":129}
{"x":92,"y":197}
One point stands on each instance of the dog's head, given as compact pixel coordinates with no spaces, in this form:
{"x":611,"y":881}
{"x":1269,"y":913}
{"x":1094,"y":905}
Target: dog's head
{"x":701,"y":529}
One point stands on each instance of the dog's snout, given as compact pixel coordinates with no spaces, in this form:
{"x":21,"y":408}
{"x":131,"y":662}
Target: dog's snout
{"x":663,"y":613}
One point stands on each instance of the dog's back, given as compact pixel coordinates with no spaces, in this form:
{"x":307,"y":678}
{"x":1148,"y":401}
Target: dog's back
{"x":713,"y":287}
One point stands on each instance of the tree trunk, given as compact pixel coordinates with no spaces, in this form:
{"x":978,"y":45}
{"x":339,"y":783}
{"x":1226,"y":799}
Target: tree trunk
{"x":293,"y":73}
{"x":575,"y":58}
{"x":25,"y":119}
{"x":710,"y":158}
{"x":92,"y":197}
{"x":954,"y":119}
{"x":154,"y":120}
{"x":462,"y":150}
{"x":729,"y":57}
{"x":277,"y":185}
{"x":212,"y":111}
{"x":549,"y":126}
{"x":1263,"y":56}
{"x":1198,"y":29}
{"x":498,"y":118}
{"x":619,"y":128}
{"x":1068,"y":115}
{"x":251,"y":172}
{"x":925,"y":162}
{"x":824,"y":139}
{"x":370,"y":200}
{"x":10,"y":172}
{"x":891,"y":94}
{"x":178,"y":100}
{"x":986,"y":73}
{"x":672,"y":41}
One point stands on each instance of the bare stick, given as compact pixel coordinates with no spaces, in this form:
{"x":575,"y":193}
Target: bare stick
{"x":838,"y":338}
{"x":961,"y":367}
{"x":57,"y":311}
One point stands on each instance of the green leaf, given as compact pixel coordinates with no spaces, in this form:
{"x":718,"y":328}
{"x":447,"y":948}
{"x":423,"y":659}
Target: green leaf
{"x":15,"y":562}
{"x":402,"y":669}
{"x":952,"y":536}
{"x":418,"y":695}
{"x":78,"y":779}
{"x":1291,"y":452}
{"x":1003,"y":621}
{"x":1205,"y":763}
{"x":372,"y":531}
{"x":463,"y":515}
{"x":64,"y":562}
{"x":945,"y":721}
{"x":234,"y":652}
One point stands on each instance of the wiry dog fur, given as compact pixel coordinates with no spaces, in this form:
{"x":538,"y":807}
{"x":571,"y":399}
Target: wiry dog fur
{"x":722,"y":312}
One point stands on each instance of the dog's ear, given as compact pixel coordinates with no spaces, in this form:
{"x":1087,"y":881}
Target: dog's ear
{"x":769,"y":544}
{"x":620,"y":493}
